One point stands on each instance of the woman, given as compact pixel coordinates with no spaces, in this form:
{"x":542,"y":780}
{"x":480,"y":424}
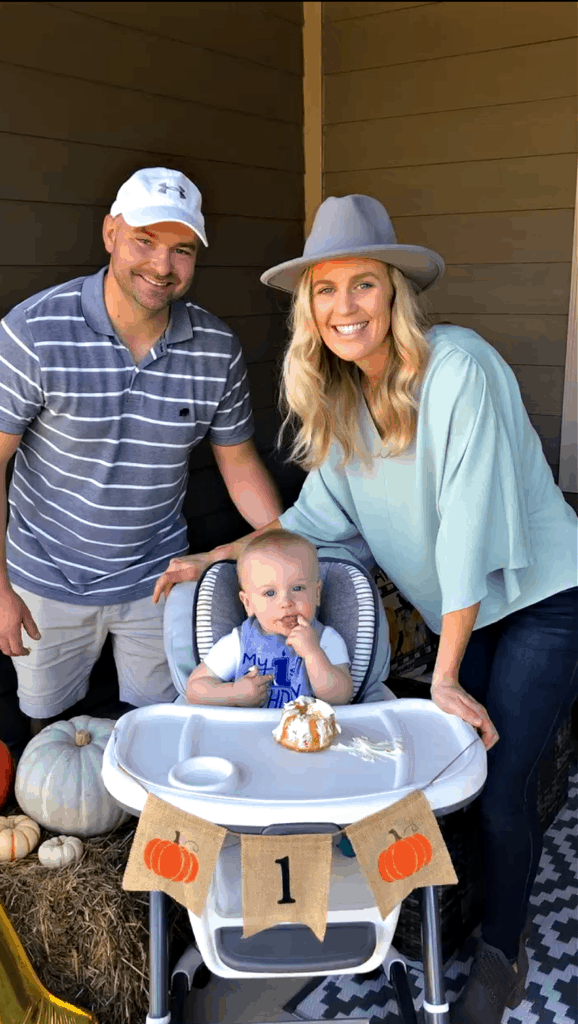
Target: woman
{"x":418,"y":444}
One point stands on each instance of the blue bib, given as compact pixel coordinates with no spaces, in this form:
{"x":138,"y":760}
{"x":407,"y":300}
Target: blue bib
{"x":273,"y":657}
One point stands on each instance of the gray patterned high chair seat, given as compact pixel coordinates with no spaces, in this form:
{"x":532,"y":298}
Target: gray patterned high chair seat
{"x":198,"y":615}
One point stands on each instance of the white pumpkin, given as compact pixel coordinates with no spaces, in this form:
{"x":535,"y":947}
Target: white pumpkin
{"x":60,"y":851}
{"x":18,"y":836}
{"x":59,"y":781}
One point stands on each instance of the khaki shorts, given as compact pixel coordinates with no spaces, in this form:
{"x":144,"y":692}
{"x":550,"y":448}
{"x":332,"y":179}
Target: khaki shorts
{"x":55,"y":674}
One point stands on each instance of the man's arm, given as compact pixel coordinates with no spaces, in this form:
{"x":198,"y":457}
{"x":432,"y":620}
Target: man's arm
{"x":250,"y":485}
{"x":8,"y":446}
{"x":13,"y":612}
{"x":254,"y":493}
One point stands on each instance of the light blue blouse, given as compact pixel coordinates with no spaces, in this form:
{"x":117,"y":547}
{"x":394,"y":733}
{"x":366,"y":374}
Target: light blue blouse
{"x":470,"y":512}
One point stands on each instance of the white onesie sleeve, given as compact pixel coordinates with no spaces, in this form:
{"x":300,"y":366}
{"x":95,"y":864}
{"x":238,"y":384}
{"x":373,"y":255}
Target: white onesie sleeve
{"x":224,"y":658}
{"x":334,"y":646}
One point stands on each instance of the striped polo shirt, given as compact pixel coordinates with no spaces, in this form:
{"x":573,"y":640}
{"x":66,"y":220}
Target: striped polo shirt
{"x":101,"y":471}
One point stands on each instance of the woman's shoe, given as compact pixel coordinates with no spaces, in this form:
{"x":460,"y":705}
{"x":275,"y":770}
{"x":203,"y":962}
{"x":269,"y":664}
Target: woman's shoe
{"x":492,"y":986}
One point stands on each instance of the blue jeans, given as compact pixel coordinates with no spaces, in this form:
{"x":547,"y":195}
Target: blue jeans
{"x":523,"y":670}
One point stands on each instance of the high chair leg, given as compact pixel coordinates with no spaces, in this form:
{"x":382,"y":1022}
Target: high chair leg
{"x":436,"y":1009}
{"x":395,"y":969}
{"x":159,"y":1012}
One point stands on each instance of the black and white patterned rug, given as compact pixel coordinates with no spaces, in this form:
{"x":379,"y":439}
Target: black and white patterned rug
{"x":552,"y":985}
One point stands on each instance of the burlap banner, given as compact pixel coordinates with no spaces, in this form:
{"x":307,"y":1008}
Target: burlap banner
{"x":400,"y":849}
{"x":175,"y":852}
{"x":285,"y":879}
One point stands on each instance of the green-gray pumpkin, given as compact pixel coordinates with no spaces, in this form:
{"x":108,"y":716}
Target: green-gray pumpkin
{"x":59,"y":782}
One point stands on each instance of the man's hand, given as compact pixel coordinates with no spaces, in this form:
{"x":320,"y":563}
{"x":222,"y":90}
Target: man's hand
{"x":450,"y":697}
{"x":181,"y":570}
{"x":188,"y":568}
{"x":303,"y":638}
{"x":14,"y":615}
{"x":252,"y":689}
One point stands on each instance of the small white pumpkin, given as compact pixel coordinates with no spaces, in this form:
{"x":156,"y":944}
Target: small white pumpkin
{"x":60,"y":851}
{"x":18,"y":836}
{"x":59,"y":781}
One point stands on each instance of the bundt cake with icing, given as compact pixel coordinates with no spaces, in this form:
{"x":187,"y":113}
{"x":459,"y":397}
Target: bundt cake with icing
{"x":307,"y":724}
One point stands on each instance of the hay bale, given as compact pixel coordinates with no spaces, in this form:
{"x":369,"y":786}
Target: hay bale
{"x":87,"y":938}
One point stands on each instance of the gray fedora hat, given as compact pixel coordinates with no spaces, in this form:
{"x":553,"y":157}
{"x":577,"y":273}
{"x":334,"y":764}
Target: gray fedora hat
{"x":356,"y":226}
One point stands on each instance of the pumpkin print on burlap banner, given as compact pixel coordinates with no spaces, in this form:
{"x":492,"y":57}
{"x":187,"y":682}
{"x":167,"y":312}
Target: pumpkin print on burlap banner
{"x":400,"y":849}
{"x":174,"y":852}
{"x":171,"y":860}
{"x":404,"y":857}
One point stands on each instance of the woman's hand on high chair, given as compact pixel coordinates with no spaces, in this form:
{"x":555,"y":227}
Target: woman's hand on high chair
{"x":457,"y":627}
{"x":453,"y":699}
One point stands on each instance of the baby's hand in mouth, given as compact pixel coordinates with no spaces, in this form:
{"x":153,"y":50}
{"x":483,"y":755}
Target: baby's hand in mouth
{"x":303,"y":638}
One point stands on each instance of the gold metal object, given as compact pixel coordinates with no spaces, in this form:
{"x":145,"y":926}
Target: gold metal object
{"x":23,"y":999}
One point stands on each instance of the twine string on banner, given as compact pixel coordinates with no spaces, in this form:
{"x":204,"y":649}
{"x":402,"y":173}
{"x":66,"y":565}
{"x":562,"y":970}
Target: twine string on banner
{"x":453,"y":761}
{"x":444,"y":769}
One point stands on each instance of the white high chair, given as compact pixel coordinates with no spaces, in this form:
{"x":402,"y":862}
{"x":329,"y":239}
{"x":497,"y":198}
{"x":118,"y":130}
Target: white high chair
{"x":336,"y":790}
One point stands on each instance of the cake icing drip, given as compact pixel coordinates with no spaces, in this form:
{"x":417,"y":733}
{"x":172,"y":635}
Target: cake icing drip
{"x":306,"y":724}
{"x":368,"y":750}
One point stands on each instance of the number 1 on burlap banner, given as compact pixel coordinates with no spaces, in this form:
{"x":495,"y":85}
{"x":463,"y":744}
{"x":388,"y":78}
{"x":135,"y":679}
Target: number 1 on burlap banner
{"x":285,"y":880}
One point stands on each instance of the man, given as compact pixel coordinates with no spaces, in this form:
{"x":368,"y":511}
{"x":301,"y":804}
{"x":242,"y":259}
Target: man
{"x":106,"y":384}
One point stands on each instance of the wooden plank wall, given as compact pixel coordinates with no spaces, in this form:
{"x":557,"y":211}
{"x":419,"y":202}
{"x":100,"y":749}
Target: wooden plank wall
{"x":460,"y":118}
{"x":93,"y":91}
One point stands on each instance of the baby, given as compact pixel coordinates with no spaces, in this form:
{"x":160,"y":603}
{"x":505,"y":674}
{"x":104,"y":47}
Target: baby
{"x":281,"y":651}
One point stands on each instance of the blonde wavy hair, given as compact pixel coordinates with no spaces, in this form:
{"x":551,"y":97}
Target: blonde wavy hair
{"x":321,"y":393}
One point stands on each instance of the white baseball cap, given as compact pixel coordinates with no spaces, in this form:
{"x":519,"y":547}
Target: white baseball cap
{"x":156,"y":194}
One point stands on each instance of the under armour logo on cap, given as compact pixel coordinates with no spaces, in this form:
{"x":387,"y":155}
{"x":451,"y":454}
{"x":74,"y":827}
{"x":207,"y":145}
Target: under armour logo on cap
{"x":154,"y":195}
{"x":164,"y":188}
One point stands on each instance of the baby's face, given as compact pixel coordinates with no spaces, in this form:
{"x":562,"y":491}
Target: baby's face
{"x":279,"y":586}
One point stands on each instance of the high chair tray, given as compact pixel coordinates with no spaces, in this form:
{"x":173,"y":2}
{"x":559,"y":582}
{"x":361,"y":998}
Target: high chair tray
{"x":270,"y":784}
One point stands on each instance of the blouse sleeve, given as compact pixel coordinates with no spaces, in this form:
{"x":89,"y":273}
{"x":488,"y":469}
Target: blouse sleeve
{"x":480,"y":498}
{"x":318,"y":515}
